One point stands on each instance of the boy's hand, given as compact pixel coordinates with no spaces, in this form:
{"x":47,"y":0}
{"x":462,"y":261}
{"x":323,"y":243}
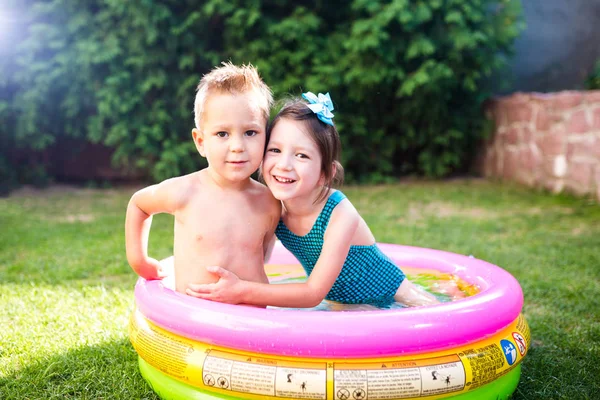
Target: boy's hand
{"x":228,"y":289}
{"x":152,"y":269}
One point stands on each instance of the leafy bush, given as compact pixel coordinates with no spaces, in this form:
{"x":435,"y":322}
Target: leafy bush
{"x":407,"y":76}
{"x":118,"y":73}
{"x":593,"y":81}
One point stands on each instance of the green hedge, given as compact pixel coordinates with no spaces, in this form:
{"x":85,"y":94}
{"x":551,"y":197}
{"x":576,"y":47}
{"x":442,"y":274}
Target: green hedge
{"x":593,"y":80}
{"x":408,"y":77}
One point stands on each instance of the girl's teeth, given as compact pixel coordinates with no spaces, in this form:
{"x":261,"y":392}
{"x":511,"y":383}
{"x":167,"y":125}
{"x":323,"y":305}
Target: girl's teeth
{"x":283,"y":180}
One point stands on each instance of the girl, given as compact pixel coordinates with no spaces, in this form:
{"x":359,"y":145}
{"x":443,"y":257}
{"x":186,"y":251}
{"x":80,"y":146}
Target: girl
{"x":318,"y":224}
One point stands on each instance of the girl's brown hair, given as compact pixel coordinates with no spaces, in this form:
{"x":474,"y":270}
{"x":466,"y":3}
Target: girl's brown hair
{"x":325,"y":136}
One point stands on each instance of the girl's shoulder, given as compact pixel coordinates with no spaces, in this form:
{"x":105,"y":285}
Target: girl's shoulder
{"x":344,"y":219}
{"x":342,"y":207}
{"x":336,"y":196}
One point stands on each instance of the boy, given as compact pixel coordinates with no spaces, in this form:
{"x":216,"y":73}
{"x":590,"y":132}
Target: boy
{"x":222,"y":216}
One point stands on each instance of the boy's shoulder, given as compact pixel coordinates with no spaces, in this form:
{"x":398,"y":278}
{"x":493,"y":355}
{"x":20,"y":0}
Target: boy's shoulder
{"x":179,"y":190}
{"x":258,"y":189}
{"x":263,"y":195}
{"x":182,"y":182}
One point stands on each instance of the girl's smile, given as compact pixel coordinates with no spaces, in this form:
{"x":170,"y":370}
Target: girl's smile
{"x":292,"y":164}
{"x":281,"y":179}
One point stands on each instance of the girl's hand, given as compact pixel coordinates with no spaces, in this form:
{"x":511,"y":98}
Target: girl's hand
{"x":228,"y":289}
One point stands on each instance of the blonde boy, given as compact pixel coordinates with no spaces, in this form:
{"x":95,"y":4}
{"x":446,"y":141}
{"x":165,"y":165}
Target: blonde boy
{"x":222,"y":216}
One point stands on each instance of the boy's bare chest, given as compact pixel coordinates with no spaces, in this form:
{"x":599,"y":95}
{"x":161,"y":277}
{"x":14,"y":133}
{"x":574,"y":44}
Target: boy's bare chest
{"x":221,"y":219}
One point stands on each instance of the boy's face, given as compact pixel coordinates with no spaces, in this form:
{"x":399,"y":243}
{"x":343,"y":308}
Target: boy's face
{"x":232,"y":137}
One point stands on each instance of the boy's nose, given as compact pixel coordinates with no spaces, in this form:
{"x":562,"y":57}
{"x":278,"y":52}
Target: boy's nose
{"x":236,"y":144}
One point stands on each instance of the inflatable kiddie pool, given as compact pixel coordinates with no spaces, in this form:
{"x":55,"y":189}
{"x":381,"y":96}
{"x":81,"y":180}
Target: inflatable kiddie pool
{"x":466,"y":349}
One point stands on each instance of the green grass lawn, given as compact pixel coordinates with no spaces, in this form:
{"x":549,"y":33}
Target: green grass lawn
{"x":66,"y":290}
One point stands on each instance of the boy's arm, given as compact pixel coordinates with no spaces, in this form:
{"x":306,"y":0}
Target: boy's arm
{"x":230,"y":289}
{"x":138,"y":220}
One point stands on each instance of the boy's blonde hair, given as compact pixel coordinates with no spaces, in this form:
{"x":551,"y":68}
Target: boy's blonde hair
{"x":233,"y":79}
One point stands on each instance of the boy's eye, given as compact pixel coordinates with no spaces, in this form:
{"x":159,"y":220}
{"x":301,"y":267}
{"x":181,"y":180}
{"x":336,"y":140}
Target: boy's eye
{"x":251,"y":133}
{"x":222,"y":134}
{"x":273,"y":150}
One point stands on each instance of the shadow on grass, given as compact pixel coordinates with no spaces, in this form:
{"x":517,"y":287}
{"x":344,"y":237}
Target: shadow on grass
{"x":107,"y":371}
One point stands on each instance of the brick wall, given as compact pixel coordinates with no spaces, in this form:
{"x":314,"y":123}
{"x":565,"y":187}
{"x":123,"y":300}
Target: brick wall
{"x":546,"y":140}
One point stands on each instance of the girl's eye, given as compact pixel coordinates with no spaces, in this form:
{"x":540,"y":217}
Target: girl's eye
{"x":222,"y":134}
{"x":251,"y":133}
{"x":301,"y":155}
{"x":274,"y":150}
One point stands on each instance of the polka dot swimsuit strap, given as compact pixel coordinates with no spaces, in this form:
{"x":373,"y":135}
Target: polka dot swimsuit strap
{"x":307,"y":248}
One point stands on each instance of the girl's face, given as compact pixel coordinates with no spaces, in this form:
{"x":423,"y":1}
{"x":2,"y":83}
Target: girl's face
{"x":292,"y":163}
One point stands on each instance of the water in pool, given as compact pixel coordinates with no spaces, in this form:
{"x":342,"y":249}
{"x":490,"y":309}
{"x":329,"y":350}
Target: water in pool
{"x":445,"y":287}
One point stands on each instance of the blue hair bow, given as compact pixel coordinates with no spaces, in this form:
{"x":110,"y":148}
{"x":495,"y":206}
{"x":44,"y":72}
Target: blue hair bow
{"x":321,"y":105}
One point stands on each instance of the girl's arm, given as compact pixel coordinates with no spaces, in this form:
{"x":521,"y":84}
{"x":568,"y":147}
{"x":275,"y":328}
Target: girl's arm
{"x":138,"y":220}
{"x":269,"y":239}
{"x":338,"y":236}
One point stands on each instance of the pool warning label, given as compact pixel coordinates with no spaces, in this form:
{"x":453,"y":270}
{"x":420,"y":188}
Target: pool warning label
{"x":301,"y":383}
{"x":265,"y":376}
{"x":398,"y":380}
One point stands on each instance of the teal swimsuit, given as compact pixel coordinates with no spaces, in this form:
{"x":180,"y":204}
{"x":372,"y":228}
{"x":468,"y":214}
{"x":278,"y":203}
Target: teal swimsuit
{"x":368,"y":275}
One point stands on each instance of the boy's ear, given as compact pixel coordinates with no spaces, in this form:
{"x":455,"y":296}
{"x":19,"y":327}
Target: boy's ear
{"x":198,"y":137}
